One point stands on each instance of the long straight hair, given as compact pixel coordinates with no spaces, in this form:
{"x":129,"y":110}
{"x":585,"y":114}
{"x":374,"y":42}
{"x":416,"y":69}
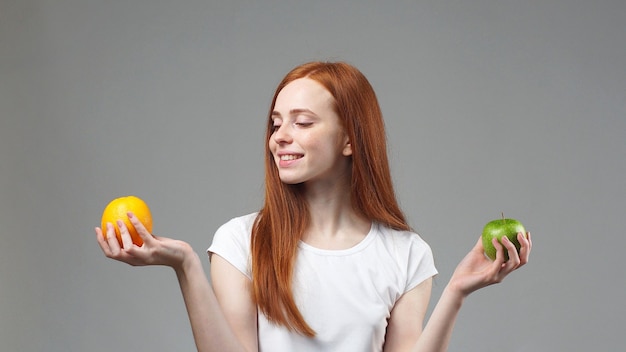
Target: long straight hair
{"x":285,"y":215}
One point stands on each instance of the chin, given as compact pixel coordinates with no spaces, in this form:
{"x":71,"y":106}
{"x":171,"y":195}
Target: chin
{"x":290,"y":181}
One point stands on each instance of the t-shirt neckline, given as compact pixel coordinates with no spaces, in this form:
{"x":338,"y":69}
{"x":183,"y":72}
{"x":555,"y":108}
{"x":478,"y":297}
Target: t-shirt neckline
{"x":343,"y":252}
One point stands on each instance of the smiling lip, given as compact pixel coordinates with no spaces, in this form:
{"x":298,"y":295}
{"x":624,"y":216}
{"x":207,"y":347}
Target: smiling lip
{"x":285,"y":158}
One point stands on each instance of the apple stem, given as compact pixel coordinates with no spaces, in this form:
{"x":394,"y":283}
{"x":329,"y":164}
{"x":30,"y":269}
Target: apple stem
{"x":502,"y":216}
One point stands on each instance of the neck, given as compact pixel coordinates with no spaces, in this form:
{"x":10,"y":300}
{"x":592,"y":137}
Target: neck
{"x":335,"y":224}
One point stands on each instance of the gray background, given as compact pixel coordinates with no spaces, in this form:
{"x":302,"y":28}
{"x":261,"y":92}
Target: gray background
{"x":513,"y":106}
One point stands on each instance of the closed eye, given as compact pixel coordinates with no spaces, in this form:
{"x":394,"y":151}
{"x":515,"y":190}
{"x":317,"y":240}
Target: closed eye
{"x":276,"y":122}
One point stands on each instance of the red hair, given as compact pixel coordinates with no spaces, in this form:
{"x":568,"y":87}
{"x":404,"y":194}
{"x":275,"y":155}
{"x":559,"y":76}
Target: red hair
{"x":285,"y":215}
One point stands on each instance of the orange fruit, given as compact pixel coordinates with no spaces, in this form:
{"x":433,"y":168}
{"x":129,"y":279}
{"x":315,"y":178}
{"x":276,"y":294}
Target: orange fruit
{"x":118,"y":208}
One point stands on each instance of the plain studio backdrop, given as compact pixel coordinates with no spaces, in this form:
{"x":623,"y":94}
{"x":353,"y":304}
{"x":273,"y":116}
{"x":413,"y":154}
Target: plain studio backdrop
{"x":491,"y":106}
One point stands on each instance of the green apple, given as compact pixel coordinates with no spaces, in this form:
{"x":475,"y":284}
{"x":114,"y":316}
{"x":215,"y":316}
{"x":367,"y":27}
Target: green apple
{"x":498,"y":229}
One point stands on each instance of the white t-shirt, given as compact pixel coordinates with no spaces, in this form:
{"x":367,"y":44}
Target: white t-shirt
{"x":346,"y":296}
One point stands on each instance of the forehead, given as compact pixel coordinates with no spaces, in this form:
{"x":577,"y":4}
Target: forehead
{"x":303,"y":93}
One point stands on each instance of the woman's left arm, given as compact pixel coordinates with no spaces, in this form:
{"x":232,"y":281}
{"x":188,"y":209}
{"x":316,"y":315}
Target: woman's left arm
{"x":407,"y":318}
{"x":474,"y":272}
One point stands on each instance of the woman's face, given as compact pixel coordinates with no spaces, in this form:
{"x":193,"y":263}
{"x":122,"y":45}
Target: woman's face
{"x":308,"y":142}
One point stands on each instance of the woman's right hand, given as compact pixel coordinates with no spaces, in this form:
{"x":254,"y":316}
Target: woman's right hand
{"x":154,"y":251}
{"x":210,"y":327}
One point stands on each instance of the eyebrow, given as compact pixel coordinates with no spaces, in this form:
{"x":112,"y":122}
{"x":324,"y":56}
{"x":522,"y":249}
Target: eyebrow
{"x":294,"y":112}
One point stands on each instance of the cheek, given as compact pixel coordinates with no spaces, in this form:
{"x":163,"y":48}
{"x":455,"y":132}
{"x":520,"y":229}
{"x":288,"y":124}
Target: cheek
{"x":327,"y":152}
{"x":271,"y":145}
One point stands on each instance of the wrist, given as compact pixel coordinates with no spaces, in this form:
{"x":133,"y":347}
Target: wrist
{"x":189,"y":261}
{"x":454,"y":294}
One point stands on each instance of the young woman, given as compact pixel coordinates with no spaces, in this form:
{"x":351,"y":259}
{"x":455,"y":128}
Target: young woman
{"x":329,"y":262}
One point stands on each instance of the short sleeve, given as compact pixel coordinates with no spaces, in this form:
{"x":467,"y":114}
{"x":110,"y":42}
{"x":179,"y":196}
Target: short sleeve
{"x":232,"y":242}
{"x":420,"y":264}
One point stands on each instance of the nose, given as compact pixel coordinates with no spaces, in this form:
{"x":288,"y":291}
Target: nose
{"x":282,"y":135}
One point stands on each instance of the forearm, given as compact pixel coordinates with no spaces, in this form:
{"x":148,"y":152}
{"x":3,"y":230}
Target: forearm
{"x":208,"y":324}
{"x":438,"y":331}
{"x":474,"y":272}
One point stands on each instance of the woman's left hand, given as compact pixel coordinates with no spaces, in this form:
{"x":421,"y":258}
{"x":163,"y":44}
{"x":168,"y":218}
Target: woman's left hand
{"x":476,"y":270}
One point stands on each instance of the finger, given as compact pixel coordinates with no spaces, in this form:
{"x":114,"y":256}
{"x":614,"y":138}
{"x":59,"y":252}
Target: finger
{"x":525,"y":247}
{"x":514,"y":260}
{"x":127,"y":241}
{"x":145,"y":235}
{"x":499,"y":252}
{"x":111,"y":239}
{"x":104,"y":245}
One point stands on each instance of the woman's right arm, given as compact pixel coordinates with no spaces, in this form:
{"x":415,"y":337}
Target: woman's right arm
{"x":214,"y":328}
